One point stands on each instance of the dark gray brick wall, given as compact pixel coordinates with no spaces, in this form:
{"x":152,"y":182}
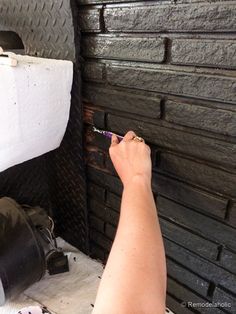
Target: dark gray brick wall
{"x":144,"y":104}
{"x":195,"y":145}
{"x":167,"y":70}
{"x":197,"y":85}
{"x":204,"y":52}
{"x":90,"y":20}
{"x":208,"y":17}
{"x":211,"y":119}
{"x":125,"y":48}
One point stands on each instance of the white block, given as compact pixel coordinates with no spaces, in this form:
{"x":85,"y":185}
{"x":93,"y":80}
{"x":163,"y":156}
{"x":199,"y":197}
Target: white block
{"x":35,"y":103}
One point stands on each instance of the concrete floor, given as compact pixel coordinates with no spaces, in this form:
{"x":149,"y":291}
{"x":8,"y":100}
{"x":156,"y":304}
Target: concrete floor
{"x":69,"y":293}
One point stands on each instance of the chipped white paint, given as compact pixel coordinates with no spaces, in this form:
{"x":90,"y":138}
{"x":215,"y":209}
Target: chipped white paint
{"x":35,"y":103}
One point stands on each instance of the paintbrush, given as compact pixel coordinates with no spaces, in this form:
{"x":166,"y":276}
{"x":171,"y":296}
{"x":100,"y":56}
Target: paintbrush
{"x":107,"y":134}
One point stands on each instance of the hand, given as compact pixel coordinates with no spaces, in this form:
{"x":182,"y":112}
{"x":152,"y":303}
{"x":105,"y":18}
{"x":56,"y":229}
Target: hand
{"x":131,"y":158}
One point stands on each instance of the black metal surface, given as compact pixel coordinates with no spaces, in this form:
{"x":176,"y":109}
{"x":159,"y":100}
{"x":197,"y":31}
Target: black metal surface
{"x":55,"y":181}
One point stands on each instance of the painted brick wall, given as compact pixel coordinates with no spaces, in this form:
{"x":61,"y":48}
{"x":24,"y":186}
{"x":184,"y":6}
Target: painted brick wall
{"x":167,"y":70}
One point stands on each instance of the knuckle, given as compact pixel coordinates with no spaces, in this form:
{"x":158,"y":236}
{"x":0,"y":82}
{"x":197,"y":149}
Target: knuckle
{"x":130,"y":133}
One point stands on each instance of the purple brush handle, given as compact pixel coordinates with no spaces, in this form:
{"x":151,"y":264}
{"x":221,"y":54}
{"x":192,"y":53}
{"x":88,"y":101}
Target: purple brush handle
{"x":109,"y":135}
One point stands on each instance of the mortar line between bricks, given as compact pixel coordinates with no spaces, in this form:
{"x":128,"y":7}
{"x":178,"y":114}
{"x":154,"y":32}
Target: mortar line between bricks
{"x":228,"y":210}
{"x":220,"y":250}
{"x":160,"y":67}
{"x":164,"y":32}
{"x":111,"y":4}
{"x":166,"y":61}
{"x":101,"y":20}
{"x":172,"y":36}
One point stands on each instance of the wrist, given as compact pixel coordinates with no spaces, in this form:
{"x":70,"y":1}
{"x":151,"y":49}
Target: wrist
{"x":139,"y":179}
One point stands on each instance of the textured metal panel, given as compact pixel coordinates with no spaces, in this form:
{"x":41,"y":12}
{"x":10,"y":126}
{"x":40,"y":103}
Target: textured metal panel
{"x":45,"y":27}
{"x":56,"y":180}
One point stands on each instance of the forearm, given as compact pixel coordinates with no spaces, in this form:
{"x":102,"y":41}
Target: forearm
{"x":137,"y":254}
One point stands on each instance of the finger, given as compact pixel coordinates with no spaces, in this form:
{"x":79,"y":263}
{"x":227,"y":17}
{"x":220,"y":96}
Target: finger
{"x":129,"y":136}
{"x":114,"y":140}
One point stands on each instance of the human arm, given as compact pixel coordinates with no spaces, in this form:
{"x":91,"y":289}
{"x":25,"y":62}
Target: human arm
{"x":134,"y":280}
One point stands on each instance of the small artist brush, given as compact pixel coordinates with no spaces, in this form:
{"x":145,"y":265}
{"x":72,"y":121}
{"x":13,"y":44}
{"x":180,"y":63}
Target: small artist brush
{"x":107,"y":134}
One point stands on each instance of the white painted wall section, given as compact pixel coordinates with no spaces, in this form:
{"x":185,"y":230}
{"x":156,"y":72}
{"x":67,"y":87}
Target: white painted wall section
{"x":35,"y":101}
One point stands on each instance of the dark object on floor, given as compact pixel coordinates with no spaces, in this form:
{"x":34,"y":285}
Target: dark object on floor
{"x":57,"y":263}
{"x":26,"y":244}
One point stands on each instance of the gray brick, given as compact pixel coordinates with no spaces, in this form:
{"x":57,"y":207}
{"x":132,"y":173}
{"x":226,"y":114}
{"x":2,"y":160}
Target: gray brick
{"x":212,"y":17}
{"x":103,"y":212}
{"x":211,"y":119}
{"x":145,"y":104}
{"x":101,"y":240}
{"x":198,"y":173}
{"x":199,"y":146}
{"x":93,"y":71}
{"x":96,"y":191}
{"x":103,"y":179}
{"x":109,"y":166}
{"x":125,"y":48}
{"x":97,"y":252}
{"x":205,"y":269}
{"x":189,"y":240}
{"x":95,"y":158}
{"x":96,"y":223}
{"x":97,"y":139}
{"x":89,"y":20}
{"x":189,"y":195}
{"x":214,"y":87}
{"x":187,"y":278}
{"x":110,"y":231}
{"x":226,"y":300}
{"x":216,"y":53}
{"x":228,"y":260}
{"x":113,"y":201}
{"x":197,"y":222}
